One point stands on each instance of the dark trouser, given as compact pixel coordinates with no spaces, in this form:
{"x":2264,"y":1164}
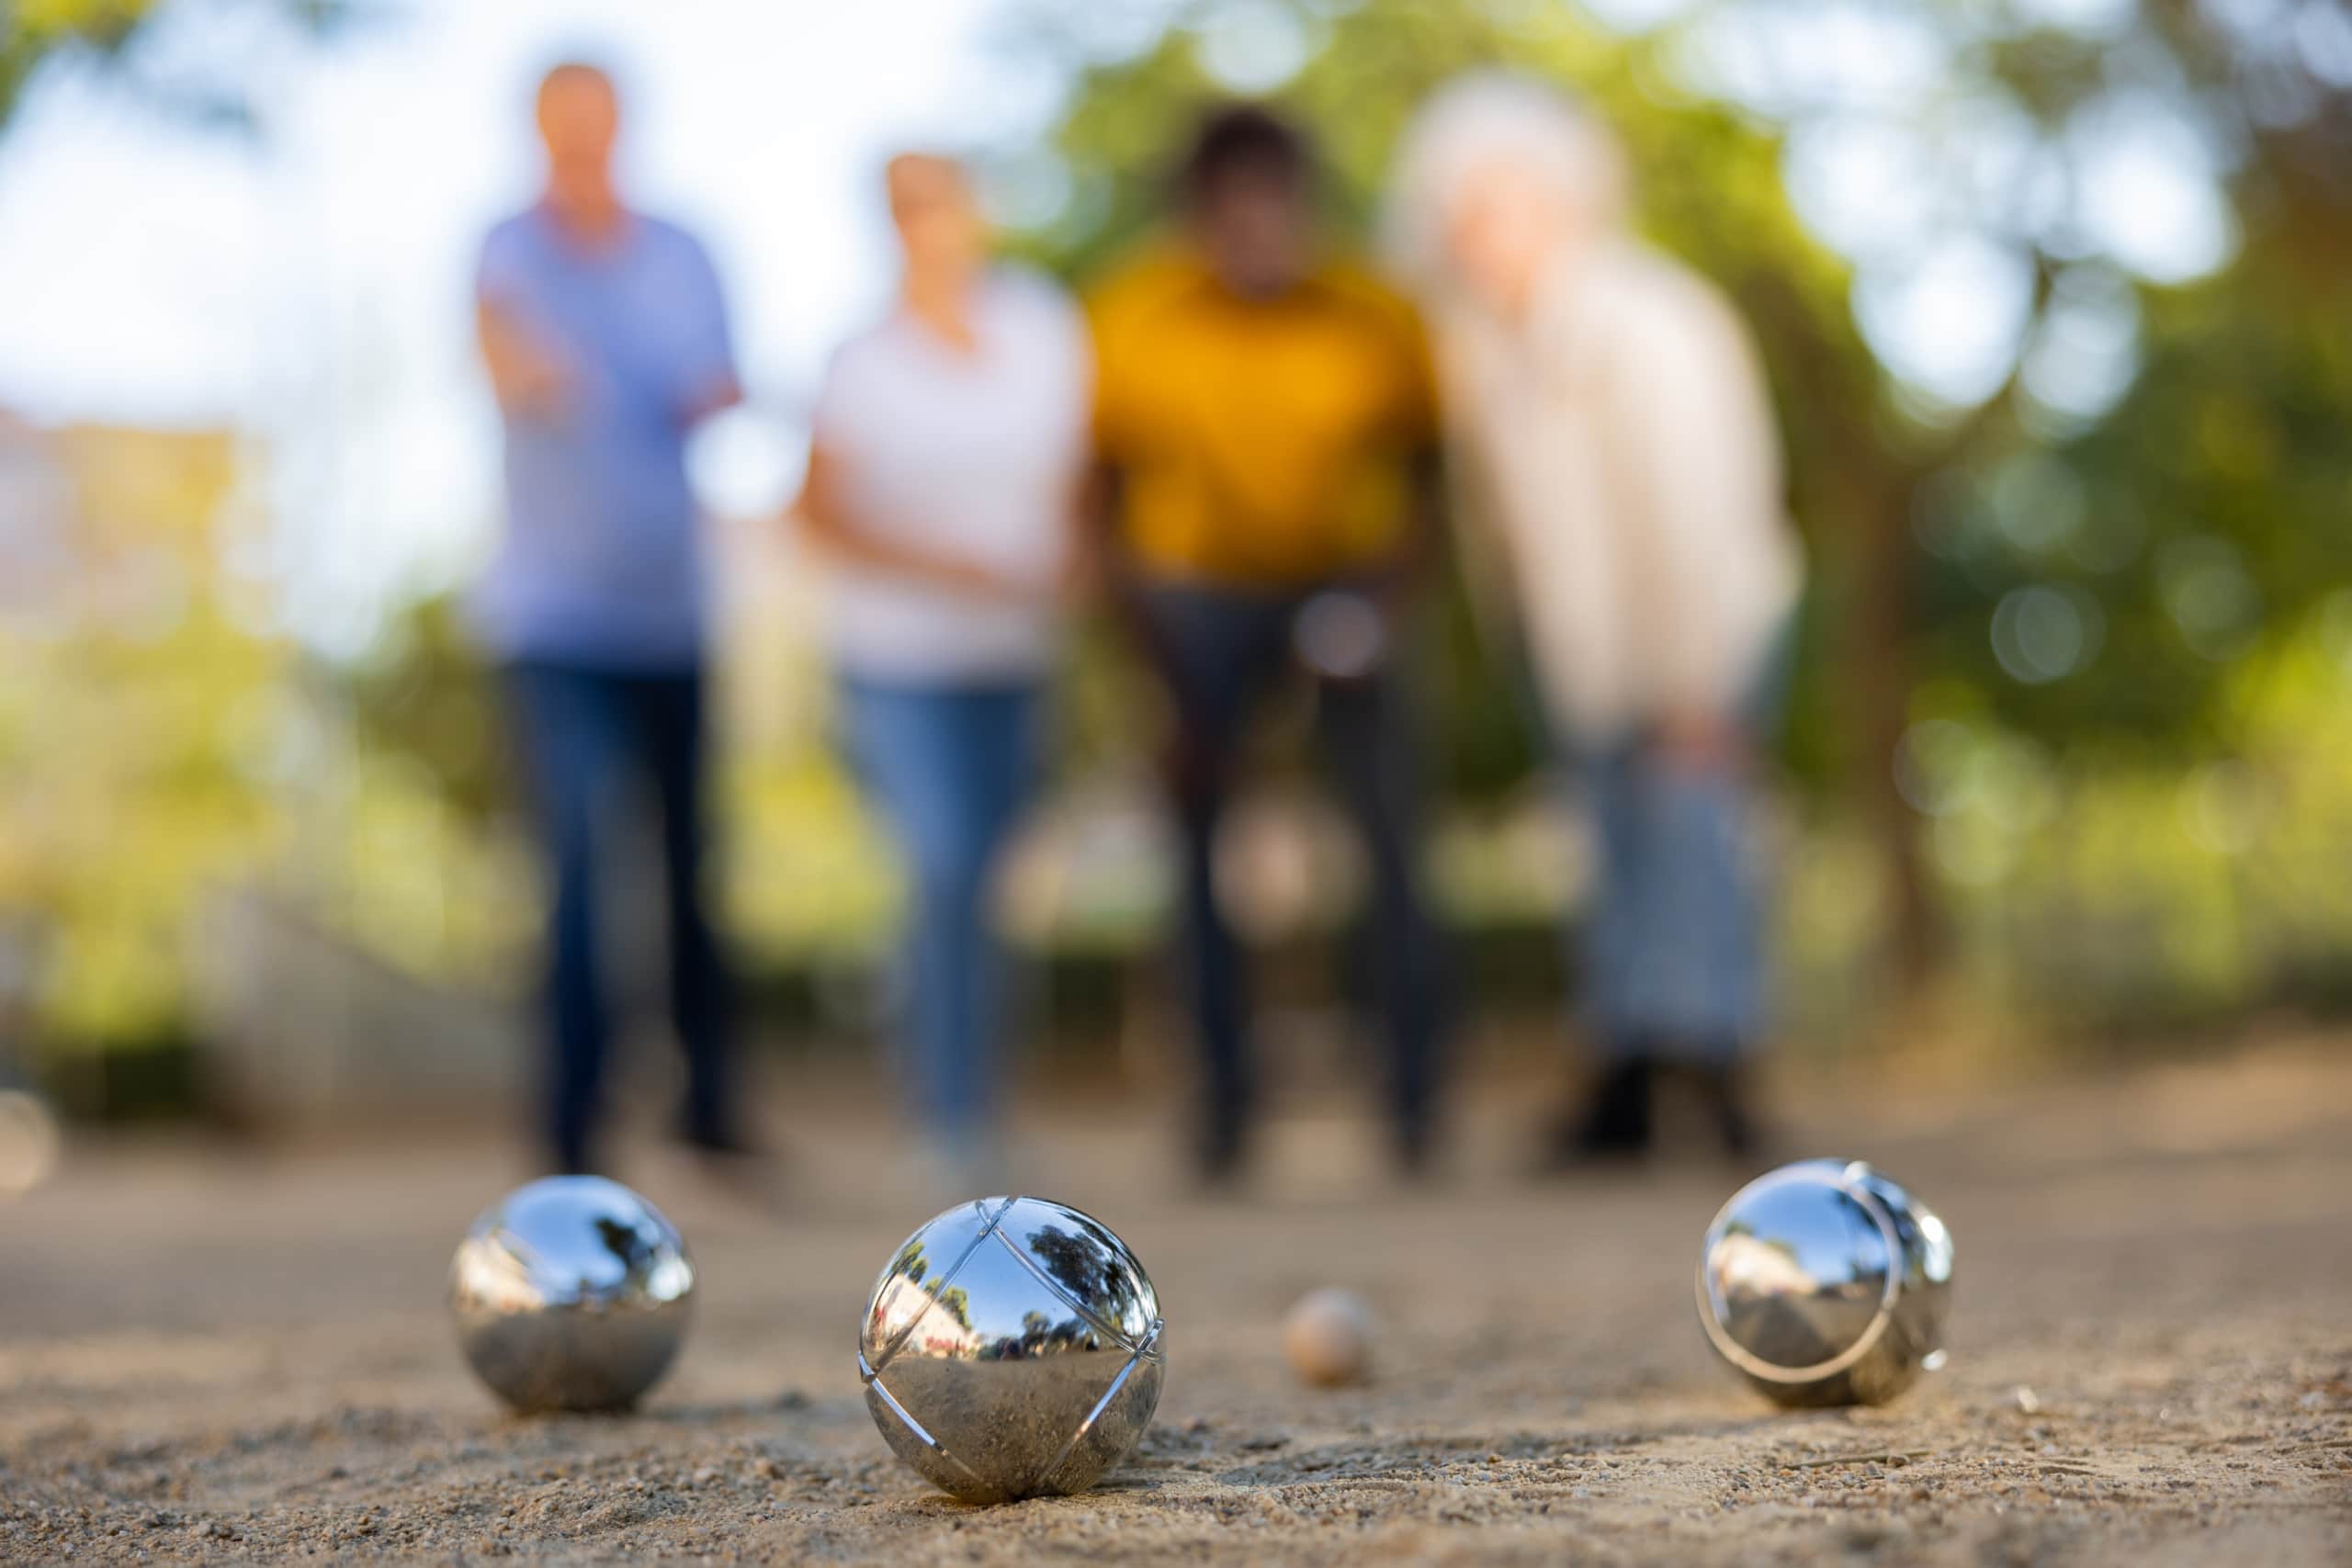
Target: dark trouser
{"x":592,"y":739}
{"x":1222,"y":650}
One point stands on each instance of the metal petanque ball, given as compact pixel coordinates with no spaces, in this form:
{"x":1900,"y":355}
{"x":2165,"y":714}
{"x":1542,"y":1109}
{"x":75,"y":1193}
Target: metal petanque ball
{"x":571,"y":1294}
{"x":1825,"y":1283}
{"x":1012,"y":1350}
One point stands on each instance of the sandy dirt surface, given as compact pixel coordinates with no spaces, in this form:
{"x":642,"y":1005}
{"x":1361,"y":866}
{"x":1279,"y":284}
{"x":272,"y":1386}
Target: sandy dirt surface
{"x":207,"y":1356}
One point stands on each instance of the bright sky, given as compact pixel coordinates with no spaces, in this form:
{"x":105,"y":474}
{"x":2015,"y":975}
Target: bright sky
{"x":312,"y":285}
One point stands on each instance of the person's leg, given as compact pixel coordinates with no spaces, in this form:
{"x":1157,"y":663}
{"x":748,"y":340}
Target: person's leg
{"x":1218,"y":985}
{"x":1707,"y":999}
{"x":1733,"y":884}
{"x":949,"y":769}
{"x":1613,"y":948}
{"x":668,"y":715}
{"x":1674,"y":959}
{"x":1367,"y":728}
{"x":1000,"y":751}
{"x":570,"y":742}
{"x":1218,"y":652}
{"x":991,"y":767}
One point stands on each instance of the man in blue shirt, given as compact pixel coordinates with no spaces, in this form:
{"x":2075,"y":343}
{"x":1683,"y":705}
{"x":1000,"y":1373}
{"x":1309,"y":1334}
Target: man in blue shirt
{"x":606,"y":342}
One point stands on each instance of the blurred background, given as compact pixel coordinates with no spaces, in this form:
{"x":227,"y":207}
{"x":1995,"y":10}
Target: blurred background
{"x":2055,"y":295}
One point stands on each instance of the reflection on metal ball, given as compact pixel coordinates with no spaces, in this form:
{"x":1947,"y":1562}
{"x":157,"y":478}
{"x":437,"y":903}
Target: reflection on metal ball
{"x":571,"y":1294}
{"x":1012,"y":1350}
{"x":1825,"y":1283}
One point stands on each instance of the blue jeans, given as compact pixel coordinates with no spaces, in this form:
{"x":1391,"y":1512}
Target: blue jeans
{"x":951,"y":769}
{"x":1673,"y":955}
{"x":1221,"y":651}
{"x":593,"y":743}
{"x":1673,"y":952}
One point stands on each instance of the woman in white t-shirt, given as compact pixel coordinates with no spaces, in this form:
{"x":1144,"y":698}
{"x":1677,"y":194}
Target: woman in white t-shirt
{"x":946,"y":460}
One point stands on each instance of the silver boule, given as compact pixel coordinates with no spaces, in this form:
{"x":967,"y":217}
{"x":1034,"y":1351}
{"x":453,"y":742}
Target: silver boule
{"x":1825,"y":1283}
{"x":571,"y":1294}
{"x":1012,"y":1348}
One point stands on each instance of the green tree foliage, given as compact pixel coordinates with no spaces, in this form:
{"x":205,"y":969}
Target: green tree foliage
{"x":135,"y":713}
{"x":423,"y":695}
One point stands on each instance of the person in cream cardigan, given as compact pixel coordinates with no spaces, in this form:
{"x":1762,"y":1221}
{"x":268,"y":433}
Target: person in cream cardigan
{"x":1612,"y":429}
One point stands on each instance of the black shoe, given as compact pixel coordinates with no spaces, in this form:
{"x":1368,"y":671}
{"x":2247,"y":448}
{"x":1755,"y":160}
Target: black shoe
{"x":1415,"y":1148}
{"x":1618,"y":1120}
{"x":1220,"y":1151}
{"x":739,"y":1166}
{"x":1613,"y":1124}
{"x":721,"y":1142}
{"x":1725,"y":1092}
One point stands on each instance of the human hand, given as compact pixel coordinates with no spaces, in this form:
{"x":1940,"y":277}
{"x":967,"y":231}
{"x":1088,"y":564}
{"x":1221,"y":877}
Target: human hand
{"x":980,"y":582}
{"x":1697,"y":740}
{"x":531,"y":380}
{"x":538,"y":387}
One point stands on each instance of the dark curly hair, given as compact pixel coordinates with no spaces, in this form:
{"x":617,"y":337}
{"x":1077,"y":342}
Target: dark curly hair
{"x":1244,"y":139}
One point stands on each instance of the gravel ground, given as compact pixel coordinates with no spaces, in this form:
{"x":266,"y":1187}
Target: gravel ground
{"x":209,"y":1356}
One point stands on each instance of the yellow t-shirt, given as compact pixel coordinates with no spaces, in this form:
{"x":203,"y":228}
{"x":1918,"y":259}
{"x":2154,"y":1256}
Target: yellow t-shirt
{"x":1261,"y":443}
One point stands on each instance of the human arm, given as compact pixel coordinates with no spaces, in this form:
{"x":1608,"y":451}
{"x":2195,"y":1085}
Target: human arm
{"x":830,"y":525}
{"x":1104,"y":565}
{"x":1399,"y":578}
{"x":1691,"y":437}
{"x":714,"y":396}
{"x":527,"y":372}
{"x":528,"y":380}
{"x":1400,"y":575}
{"x":1119,"y":416}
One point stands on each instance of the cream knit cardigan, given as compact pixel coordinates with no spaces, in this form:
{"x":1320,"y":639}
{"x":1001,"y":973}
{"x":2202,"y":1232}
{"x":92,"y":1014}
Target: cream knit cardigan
{"x":1619,"y":448}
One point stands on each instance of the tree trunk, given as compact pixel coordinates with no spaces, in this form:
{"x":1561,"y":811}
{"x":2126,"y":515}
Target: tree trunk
{"x":1877,"y":700}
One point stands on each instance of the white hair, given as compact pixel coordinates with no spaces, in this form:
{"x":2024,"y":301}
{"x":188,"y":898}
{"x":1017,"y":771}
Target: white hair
{"x":1477,"y":122}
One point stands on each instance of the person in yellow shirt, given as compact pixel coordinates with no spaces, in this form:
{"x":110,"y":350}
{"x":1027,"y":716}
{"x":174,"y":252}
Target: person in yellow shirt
{"x":1266,"y":430}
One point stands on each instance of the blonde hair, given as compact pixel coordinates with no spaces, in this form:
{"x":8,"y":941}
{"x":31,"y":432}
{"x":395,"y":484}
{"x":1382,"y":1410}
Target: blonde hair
{"x":1475,"y":123}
